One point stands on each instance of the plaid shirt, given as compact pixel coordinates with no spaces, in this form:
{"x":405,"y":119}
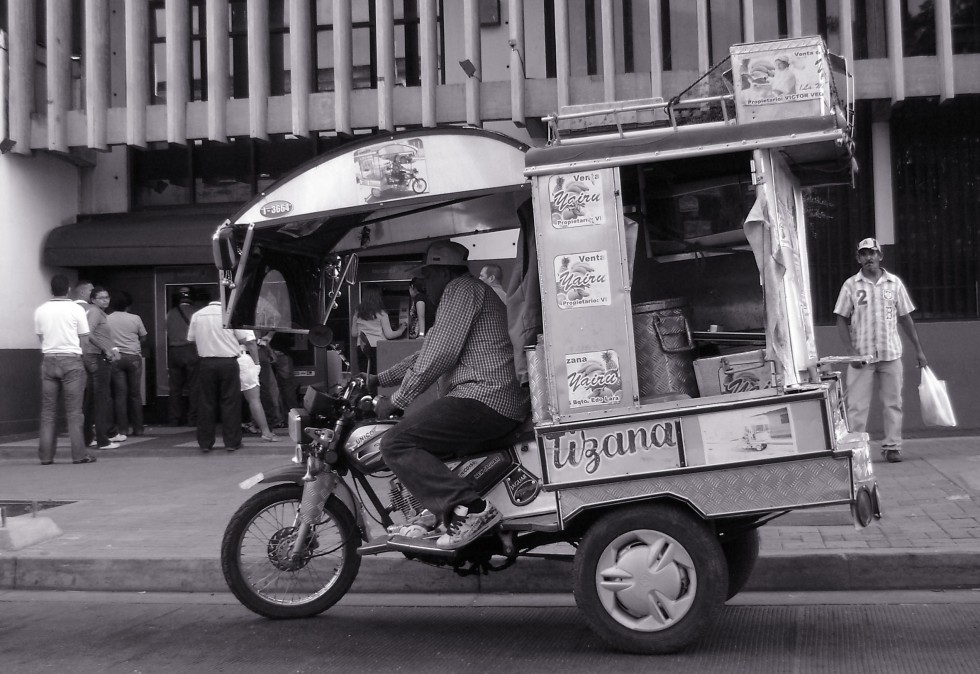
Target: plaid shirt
{"x":874,"y":309}
{"x":468,"y":346}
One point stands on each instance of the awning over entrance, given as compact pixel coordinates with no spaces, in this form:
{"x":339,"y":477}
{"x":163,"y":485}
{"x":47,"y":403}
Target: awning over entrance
{"x":135,"y":239}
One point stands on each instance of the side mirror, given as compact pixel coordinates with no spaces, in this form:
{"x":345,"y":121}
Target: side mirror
{"x":321,"y":336}
{"x":223,"y":248}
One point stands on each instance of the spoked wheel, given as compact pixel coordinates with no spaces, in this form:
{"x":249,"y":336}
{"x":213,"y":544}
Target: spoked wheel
{"x":419,"y":185}
{"x":650,"y":578}
{"x":262,"y":572}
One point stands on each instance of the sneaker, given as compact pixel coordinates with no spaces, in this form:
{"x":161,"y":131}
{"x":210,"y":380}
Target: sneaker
{"x":419,"y":526}
{"x":118,"y":437}
{"x":92,"y":443}
{"x":464,"y":527}
{"x":111,"y":445}
{"x":892,"y":455}
{"x":251,"y":428}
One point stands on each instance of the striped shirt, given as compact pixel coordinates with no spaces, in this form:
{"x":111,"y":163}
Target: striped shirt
{"x":468,"y":346}
{"x":874,"y":309}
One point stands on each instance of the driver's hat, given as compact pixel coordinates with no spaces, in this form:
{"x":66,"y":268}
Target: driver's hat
{"x":446,"y":254}
{"x":868,"y":244}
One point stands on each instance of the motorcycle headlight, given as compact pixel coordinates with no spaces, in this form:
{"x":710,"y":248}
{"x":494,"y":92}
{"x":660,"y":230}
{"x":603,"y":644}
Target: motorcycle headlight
{"x":298,"y":419}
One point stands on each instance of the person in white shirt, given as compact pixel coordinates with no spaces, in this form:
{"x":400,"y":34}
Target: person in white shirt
{"x":62,"y":329}
{"x":218,"y":377}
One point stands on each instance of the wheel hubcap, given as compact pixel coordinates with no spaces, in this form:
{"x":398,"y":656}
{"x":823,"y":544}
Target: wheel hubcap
{"x":646,"y":580}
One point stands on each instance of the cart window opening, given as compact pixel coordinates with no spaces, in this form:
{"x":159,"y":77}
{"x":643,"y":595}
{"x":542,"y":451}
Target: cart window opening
{"x":272,"y":309}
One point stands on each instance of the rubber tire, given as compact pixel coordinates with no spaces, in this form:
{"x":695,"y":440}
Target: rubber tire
{"x":741,"y":553}
{"x":419,"y":185}
{"x":694,"y":535}
{"x":230,"y":544}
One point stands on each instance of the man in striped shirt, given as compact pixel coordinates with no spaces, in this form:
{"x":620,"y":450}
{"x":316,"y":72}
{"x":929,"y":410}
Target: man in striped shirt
{"x":870,"y":307}
{"x":469,"y":350}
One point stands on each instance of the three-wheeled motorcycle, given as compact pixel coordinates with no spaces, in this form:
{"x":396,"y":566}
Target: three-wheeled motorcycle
{"x":660,"y":309}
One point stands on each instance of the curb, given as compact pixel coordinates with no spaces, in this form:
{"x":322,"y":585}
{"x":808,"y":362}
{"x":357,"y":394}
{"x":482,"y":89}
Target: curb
{"x":834,"y":571}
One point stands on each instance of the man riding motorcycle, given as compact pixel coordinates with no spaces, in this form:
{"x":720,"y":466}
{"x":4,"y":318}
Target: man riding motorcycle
{"x":469,"y":348}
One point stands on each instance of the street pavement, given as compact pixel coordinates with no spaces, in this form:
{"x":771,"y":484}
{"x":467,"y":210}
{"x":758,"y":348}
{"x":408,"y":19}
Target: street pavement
{"x":149,"y":516}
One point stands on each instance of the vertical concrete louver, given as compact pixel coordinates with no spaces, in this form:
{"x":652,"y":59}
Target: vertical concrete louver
{"x":137,"y":71}
{"x":58,"y":40}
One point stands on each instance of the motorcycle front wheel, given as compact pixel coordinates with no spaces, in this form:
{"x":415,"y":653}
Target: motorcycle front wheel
{"x":262,"y":572}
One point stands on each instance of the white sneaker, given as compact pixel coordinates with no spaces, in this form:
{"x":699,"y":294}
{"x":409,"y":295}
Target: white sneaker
{"x":464,"y":527}
{"x":111,"y":445}
{"x":93,"y":443}
{"x":118,"y":437}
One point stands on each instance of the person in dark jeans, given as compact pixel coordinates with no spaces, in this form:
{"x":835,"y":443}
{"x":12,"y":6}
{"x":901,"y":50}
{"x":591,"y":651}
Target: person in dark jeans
{"x":468,"y":347}
{"x":281,"y":369}
{"x":128,"y":334}
{"x":182,"y":363}
{"x":98,"y":357}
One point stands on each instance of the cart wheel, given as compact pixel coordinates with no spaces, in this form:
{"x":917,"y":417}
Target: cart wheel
{"x":741,"y":552}
{"x":650,"y":578}
{"x":419,"y":185}
{"x":763,"y":446}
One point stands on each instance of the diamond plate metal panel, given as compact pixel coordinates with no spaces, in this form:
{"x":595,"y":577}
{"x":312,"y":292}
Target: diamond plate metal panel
{"x":729,"y":491}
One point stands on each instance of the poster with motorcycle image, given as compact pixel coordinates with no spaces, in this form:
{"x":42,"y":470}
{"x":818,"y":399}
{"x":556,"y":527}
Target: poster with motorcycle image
{"x":576,"y":200}
{"x":391,"y":170}
{"x":593,"y":378}
{"x":582,"y":279}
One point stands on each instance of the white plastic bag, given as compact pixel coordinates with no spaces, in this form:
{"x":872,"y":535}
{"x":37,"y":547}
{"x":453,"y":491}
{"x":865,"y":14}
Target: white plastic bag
{"x":936,"y":408}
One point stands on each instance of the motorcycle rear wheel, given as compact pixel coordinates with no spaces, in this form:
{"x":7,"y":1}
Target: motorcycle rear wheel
{"x":262,"y":574}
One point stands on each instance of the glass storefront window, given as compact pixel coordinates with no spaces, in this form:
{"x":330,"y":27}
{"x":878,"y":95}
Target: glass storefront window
{"x":223,"y":171}
{"x":918,"y":28}
{"x":966,"y":26}
{"x":161,"y":175}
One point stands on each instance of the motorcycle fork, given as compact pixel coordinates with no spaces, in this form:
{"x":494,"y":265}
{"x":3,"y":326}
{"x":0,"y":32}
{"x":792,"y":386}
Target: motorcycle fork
{"x":315,"y":495}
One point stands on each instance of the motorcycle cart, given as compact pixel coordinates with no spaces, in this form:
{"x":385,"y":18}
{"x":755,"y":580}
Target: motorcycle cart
{"x":677,"y":403}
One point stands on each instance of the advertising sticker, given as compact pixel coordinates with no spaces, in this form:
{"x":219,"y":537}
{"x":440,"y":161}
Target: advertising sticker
{"x":752,"y":433}
{"x":582,"y":279}
{"x":593,"y":378}
{"x":576,"y":200}
{"x":779,"y":76}
{"x":621,"y":449}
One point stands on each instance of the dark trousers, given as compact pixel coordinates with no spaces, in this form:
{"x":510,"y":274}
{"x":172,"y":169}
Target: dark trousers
{"x":98,"y":398}
{"x":182,"y":364}
{"x":126,"y":374}
{"x":269,"y":388}
{"x":444,"y":428}
{"x":282,"y":368}
{"x":219,"y":386}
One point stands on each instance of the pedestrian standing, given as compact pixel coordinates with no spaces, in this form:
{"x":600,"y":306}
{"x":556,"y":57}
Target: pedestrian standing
{"x":370,"y":325}
{"x":62,"y":328}
{"x":182,"y":363}
{"x":128,"y":335}
{"x":871,"y":306}
{"x":219,"y":382}
{"x":281,"y":363}
{"x":421,"y":312}
{"x":492,"y":275}
{"x":248,"y":371}
{"x":98,"y":356}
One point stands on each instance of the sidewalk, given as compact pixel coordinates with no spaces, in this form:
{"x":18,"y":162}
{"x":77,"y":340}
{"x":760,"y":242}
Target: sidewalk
{"x":149,"y":516}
